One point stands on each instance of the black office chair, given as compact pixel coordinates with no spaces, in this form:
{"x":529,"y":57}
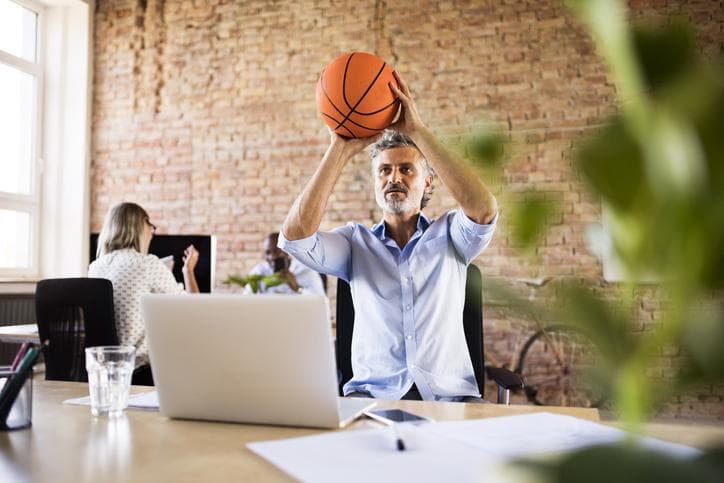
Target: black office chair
{"x":72,"y":314}
{"x":472,"y":323}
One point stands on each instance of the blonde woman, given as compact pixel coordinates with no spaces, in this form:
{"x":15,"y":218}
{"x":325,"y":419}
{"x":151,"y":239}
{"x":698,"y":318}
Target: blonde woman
{"x":124,"y":260}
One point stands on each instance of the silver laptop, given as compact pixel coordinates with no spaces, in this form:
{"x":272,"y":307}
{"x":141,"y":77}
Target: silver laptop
{"x":264,"y":359}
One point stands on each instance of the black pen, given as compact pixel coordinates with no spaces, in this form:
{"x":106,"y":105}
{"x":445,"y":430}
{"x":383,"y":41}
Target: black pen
{"x":399,"y":443}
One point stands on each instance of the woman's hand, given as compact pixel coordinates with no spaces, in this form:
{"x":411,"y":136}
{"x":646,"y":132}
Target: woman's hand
{"x":191,"y":257}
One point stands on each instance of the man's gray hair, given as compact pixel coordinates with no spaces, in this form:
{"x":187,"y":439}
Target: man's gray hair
{"x":393,"y":139}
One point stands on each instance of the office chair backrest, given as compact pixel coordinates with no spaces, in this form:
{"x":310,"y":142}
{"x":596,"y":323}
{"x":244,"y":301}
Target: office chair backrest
{"x":73,"y":313}
{"x":472,"y":324}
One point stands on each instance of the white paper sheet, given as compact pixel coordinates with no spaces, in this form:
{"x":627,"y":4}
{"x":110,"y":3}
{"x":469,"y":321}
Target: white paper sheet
{"x":540,"y":433}
{"x":146,"y":400}
{"x":460,"y":451}
{"x":370,"y":455}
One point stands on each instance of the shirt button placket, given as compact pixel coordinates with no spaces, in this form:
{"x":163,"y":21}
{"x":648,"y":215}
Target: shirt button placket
{"x":408,"y":321}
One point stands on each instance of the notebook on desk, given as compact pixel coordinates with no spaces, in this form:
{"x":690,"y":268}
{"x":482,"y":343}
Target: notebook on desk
{"x":264,"y":359}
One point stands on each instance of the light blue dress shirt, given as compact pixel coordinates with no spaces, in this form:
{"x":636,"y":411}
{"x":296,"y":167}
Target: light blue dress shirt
{"x":408,"y":303}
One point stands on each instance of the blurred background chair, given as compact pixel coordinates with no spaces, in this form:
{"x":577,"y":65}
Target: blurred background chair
{"x":506,"y":379}
{"x":73,"y":313}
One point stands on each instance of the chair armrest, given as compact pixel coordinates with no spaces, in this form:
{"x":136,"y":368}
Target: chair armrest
{"x":505,"y":378}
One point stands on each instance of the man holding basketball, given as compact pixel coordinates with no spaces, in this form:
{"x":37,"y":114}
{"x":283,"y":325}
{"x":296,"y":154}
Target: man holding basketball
{"x":407,"y":273}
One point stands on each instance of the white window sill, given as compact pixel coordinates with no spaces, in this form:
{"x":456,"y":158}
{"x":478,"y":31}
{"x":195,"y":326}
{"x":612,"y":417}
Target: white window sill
{"x":17,"y":286}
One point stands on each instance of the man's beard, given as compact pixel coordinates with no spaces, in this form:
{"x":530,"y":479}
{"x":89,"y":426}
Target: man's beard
{"x":394,"y":205}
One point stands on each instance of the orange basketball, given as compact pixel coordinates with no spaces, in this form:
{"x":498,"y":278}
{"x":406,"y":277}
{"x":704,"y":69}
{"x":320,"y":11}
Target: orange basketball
{"x":354,"y":96}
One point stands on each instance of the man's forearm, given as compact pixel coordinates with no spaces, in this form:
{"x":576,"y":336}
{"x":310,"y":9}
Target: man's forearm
{"x":306,"y":213}
{"x":474,"y":197}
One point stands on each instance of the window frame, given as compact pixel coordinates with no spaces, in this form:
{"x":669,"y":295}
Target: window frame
{"x":30,"y":203}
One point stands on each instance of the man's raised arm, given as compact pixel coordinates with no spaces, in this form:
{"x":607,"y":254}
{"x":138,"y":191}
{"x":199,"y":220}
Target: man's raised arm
{"x":306,"y":213}
{"x":476,"y":200}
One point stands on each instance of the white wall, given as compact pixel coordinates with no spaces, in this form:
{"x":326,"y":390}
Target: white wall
{"x":64,"y":220}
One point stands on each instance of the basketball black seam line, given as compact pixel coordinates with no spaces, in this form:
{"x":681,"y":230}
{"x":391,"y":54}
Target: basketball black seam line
{"x":375,"y":112}
{"x":344,"y":93}
{"x":344,"y":81}
{"x":348,"y":130}
{"x":374,"y":131}
{"x":324,"y":91}
{"x":352,"y":111}
{"x":364,"y":94}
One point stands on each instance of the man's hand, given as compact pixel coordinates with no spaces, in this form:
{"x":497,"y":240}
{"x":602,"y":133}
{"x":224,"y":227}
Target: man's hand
{"x":350,"y":146}
{"x":306,"y":213}
{"x":409,"y":121}
{"x":477,"y":202}
{"x":290,"y":279}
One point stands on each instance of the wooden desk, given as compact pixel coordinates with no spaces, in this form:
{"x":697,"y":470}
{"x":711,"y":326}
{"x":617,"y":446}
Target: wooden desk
{"x":66,"y":443}
{"x":19,"y":333}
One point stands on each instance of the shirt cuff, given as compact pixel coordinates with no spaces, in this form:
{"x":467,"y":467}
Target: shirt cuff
{"x":476,"y":228}
{"x":302,"y":245}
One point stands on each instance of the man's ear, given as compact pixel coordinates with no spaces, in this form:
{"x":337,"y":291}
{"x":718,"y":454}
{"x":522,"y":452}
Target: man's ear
{"x":428,"y":183}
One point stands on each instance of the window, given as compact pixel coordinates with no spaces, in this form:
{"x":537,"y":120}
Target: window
{"x":20,"y":88}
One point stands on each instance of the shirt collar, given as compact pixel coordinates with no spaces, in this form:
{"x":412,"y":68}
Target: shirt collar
{"x":380,"y":231}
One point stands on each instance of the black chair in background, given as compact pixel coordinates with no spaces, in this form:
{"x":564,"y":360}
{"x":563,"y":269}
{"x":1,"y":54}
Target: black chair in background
{"x":72,"y":314}
{"x":472,"y":323}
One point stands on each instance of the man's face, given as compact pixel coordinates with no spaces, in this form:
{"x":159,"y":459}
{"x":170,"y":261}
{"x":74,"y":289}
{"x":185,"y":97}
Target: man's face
{"x":401,"y":179}
{"x":272,"y":251}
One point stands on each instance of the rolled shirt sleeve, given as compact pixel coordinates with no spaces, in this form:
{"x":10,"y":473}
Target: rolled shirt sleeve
{"x":470,"y":238}
{"x":325,"y":251}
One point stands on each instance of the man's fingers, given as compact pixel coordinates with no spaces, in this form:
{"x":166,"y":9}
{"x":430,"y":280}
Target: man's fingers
{"x":401,"y":95}
{"x":403,"y":85}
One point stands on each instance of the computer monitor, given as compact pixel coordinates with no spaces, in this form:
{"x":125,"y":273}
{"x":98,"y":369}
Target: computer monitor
{"x":165,"y":245}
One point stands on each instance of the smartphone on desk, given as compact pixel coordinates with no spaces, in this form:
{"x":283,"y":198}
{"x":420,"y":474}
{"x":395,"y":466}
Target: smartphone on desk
{"x":392,"y":416}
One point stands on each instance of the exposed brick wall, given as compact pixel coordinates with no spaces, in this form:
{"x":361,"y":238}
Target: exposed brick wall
{"x":204,"y":113}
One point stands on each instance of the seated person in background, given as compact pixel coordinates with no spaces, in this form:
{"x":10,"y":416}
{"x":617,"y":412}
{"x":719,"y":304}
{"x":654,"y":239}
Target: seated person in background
{"x":124,"y":260}
{"x":299,"y":279}
{"x":408,"y":272}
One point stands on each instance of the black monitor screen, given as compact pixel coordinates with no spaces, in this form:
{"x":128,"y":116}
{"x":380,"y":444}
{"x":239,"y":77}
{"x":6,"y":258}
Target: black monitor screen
{"x":165,"y":245}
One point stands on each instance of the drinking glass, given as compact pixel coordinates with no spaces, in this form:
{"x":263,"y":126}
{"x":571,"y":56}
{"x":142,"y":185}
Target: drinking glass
{"x":109,"y":378}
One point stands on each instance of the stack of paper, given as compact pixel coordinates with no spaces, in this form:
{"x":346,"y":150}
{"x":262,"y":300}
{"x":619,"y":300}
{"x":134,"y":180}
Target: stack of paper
{"x":471,"y":450}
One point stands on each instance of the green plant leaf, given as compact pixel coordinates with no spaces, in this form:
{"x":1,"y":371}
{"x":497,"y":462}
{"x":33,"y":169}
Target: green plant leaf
{"x":626,"y":463}
{"x":487,"y":149}
{"x":274,"y":280}
{"x":602,"y":323}
{"x":613,"y":165}
{"x":703,"y":337}
{"x":530,"y":218}
{"x":664,"y":52}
